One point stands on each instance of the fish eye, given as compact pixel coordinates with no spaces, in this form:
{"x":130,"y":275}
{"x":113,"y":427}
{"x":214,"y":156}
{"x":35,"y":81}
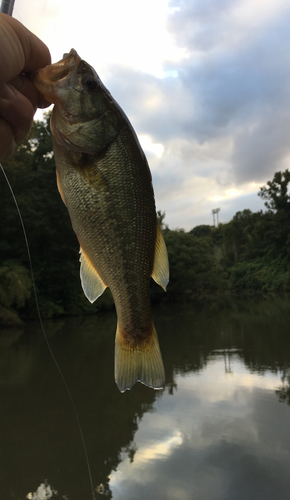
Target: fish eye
{"x":90,"y":83}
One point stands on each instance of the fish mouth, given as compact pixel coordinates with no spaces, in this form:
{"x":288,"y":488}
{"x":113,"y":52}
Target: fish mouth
{"x":44,"y":79}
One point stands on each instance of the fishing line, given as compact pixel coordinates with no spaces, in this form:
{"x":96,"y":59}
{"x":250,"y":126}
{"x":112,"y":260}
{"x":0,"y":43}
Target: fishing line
{"x":45,"y":336}
{"x":44,"y":118}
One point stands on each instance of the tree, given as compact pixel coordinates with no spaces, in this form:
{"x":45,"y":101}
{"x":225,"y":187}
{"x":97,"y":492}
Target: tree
{"x":194,"y":271}
{"x":276,"y":192}
{"x":161,"y":216}
{"x":278,"y":202}
{"x":15,"y":290}
{"x":52,"y":243}
{"x":201,"y":230}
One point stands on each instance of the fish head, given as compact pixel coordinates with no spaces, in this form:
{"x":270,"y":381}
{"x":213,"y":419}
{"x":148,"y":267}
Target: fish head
{"x":85,"y":117}
{"x":47,"y":80}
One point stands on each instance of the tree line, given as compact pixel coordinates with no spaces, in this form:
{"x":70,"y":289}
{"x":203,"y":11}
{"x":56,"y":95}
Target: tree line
{"x":249,"y":254}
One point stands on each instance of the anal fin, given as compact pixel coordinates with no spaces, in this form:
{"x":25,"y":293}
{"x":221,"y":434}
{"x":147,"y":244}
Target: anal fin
{"x":93,"y":285}
{"x":138,"y":363}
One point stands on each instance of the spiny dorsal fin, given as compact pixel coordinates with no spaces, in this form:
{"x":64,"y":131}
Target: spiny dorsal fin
{"x":93,"y":285}
{"x":138,"y":363}
{"x":160,"y":272}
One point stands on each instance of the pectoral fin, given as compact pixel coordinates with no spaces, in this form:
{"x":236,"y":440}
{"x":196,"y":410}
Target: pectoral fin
{"x":93,"y":285}
{"x":59,"y":186}
{"x":160,"y":272}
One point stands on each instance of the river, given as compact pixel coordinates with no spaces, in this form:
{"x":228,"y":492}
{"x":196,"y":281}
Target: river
{"x":220,"y":429}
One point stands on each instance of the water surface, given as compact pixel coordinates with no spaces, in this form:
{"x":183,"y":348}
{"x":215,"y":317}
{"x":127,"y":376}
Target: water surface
{"x":220,"y":430}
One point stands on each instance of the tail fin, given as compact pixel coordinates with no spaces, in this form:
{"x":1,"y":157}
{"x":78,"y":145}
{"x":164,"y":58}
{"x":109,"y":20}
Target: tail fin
{"x":138,"y":363}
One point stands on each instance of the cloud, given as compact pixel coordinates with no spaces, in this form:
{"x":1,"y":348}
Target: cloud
{"x":208,"y":82}
{"x":193,"y":168}
{"x":222,"y":118}
{"x":238,"y":72}
{"x":200,"y":25}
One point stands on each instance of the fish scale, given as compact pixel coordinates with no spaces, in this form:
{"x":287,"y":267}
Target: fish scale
{"x":105,"y":182}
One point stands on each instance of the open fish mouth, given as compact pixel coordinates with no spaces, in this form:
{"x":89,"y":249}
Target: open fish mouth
{"x":62,"y":68}
{"x":44,"y":78}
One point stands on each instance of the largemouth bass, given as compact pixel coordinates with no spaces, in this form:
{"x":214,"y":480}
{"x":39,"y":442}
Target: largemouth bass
{"x":105,"y":182}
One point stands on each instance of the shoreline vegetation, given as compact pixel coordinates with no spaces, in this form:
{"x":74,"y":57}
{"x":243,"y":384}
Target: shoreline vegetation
{"x":246,"y":256}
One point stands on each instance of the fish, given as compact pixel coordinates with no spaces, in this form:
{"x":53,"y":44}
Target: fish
{"x":105,"y":182}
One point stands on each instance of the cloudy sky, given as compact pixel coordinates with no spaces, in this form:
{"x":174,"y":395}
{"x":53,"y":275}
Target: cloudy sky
{"x":205,"y":83}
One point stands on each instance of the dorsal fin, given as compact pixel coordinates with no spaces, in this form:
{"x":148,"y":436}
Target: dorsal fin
{"x":93,"y":285}
{"x":160,"y":272}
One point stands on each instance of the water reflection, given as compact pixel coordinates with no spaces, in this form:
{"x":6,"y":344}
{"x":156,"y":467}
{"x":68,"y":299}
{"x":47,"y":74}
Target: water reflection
{"x":217,"y":431}
{"x":226,"y":446}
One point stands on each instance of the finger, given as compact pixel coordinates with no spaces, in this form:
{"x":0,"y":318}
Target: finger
{"x":20,"y":49}
{"x":17,"y":110}
{"x":7,"y":143}
{"x":23,"y":84}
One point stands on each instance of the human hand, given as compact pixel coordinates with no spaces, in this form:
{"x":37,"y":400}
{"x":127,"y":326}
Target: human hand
{"x":21,"y":52}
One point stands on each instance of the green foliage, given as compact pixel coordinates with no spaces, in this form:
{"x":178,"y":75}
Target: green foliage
{"x":251,"y":253}
{"x":276,"y":192}
{"x":278,"y":202}
{"x":15,"y":284}
{"x":247,"y":236}
{"x":202,"y":230}
{"x":194,"y":270}
{"x":52,"y":243}
{"x":15,"y":290}
{"x":263,"y":276}
{"x":161,"y":217}
{"x":256,"y":246}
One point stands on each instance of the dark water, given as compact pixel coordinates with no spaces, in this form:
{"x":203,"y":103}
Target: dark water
{"x":220,"y":430}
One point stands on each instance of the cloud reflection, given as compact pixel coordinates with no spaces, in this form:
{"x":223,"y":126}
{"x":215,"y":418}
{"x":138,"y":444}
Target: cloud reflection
{"x":222,"y":432}
{"x":146,"y":454}
{"x":216,"y":432}
{"x":159,"y":450}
